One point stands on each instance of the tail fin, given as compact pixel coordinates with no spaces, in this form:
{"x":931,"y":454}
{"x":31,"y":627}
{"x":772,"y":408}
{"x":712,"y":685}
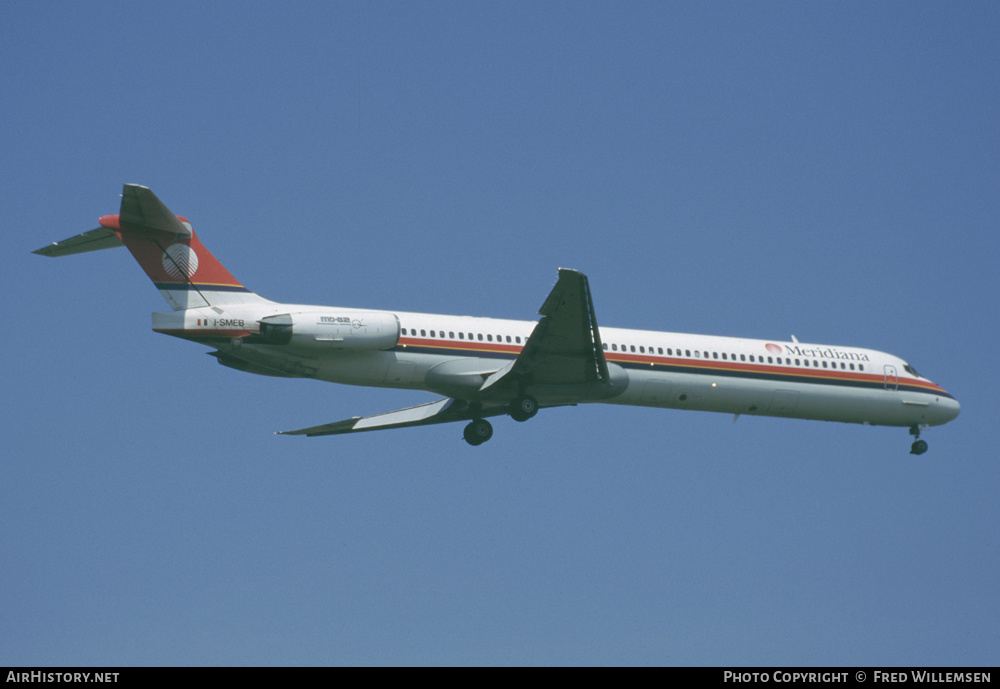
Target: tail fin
{"x":186,"y":273}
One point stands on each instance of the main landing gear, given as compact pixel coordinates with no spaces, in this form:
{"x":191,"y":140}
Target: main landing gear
{"x":523,"y":408}
{"x":919,"y":446}
{"x":478,"y":432}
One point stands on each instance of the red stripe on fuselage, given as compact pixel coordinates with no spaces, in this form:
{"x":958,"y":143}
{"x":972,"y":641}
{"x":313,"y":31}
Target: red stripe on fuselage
{"x":462,"y":345}
{"x":694,"y":365}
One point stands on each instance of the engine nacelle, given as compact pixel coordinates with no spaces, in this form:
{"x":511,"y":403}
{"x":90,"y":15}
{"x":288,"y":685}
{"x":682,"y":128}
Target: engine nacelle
{"x":331,"y":329}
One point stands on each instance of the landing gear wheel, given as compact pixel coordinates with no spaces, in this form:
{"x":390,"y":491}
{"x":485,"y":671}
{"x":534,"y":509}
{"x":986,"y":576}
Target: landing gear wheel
{"x":523,"y":408}
{"x":919,"y":446}
{"x":478,"y":432}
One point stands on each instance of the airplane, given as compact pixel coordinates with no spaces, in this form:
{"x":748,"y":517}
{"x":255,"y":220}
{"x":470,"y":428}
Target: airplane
{"x":486,"y":367}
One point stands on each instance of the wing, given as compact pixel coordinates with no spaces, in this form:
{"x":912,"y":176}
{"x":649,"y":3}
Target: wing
{"x":440,"y":411}
{"x":563,"y":355}
{"x":565,"y":347}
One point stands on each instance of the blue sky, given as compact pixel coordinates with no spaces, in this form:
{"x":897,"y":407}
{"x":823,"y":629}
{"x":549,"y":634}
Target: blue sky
{"x":746,"y":169}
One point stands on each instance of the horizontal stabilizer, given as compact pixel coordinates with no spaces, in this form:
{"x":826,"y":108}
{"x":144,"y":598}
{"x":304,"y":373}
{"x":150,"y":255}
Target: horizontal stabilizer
{"x":141,"y":210}
{"x":186,"y":273}
{"x":95,"y":240}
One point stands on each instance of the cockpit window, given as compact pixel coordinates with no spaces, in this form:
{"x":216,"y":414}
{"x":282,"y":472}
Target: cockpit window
{"x":912,"y":371}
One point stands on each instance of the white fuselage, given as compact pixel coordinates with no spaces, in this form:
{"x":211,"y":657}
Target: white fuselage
{"x":452,"y":355}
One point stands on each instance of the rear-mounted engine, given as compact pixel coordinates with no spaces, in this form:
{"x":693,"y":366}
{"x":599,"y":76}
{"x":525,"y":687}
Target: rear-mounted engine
{"x":332,"y":329}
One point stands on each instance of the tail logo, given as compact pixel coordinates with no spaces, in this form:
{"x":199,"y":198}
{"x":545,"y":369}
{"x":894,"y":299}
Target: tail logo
{"x":180,"y":261}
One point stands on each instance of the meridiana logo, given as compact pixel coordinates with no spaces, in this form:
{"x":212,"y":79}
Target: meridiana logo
{"x":817,"y":352}
{"x":180,"y":261}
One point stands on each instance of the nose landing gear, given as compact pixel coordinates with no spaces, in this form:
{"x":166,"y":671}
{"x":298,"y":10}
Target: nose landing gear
{"x":919,"y":446}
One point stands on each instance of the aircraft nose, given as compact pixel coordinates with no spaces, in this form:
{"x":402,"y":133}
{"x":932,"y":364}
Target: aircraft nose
{"x":947,"y":408}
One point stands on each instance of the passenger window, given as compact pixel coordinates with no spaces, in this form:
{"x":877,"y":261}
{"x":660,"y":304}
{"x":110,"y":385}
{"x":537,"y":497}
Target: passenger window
{"x":697,"y":354}
{"x":423,"y":333}
{"x":614,"y":348}
{"x":479,"y":337}
{"x":743,"y":357}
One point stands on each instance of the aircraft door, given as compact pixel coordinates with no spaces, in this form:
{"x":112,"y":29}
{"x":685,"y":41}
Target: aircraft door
{"x":891,"y":379}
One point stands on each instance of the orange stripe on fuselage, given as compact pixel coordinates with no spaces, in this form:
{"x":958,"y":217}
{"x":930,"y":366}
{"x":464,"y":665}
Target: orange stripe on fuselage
{"x":694,"y":365}
{"x":462,"y":345}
